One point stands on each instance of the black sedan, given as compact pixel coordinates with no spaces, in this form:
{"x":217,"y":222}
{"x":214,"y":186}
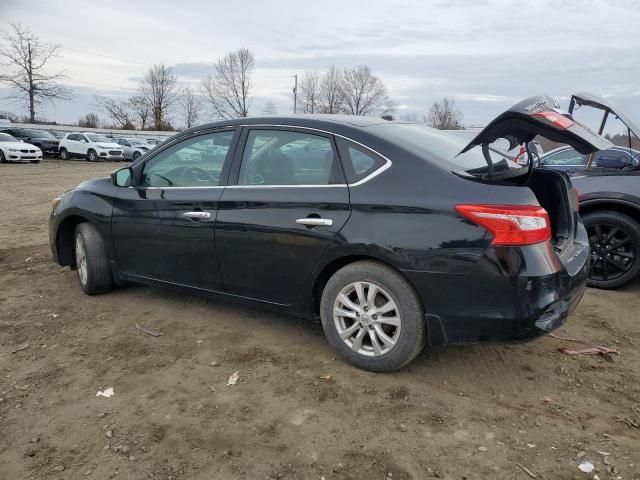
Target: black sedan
{"x":384,"y":230}
{"x":42,"y":139}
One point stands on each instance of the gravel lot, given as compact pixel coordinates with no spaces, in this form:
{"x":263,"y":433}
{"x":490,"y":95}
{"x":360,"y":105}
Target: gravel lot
{"x":476,"y":412}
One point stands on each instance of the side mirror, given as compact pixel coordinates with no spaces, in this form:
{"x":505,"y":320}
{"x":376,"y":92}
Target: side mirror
{"x":122,"y":177}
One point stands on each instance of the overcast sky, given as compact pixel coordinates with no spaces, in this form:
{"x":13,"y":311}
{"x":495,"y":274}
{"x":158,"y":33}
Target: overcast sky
{"x":486,"y":54}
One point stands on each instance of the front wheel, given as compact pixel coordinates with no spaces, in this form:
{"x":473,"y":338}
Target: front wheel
{"x":614,"y":240}
{"x":372,"y":316}
{"x":3,"y":159}
{"x":91,"y":260}
{"x":92,"y":156}
{"x":136,"y":155}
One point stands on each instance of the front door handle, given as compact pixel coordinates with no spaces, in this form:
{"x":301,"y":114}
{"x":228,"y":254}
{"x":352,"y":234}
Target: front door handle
{"x":315,"y":222}
{"x":197,"y":215}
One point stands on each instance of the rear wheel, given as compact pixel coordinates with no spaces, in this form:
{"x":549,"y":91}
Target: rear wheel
{"x":64,"y":154}
{"x":372,"y":316}
{"x":91,"y":259}
{"x":136,"y":155}
{"x":614,"y":239}
{"x":92,"y":156}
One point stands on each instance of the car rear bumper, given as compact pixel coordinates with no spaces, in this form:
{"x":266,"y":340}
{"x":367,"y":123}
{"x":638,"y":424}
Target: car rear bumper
{"x":513,"y":293}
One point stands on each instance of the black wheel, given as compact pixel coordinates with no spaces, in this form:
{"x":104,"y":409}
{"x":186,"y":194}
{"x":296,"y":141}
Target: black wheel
{"x":91,"y":260}
{"x":136,"y":155}
{"x":3,"y":159}
{"x":614,"y":239}
{"x":64,"y":154}
{"x":372,"y":316}
{"x":92,"y":156}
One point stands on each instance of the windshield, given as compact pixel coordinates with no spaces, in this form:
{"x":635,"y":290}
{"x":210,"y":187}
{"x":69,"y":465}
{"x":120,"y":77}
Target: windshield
{"x":39,"y":134}
{"x":5,"y":137}
{"x":97,"y":138}
{"x":443,"y":147}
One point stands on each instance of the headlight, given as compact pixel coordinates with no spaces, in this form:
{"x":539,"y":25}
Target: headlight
{"x":14,"y":149}
{"x":102,"y":146}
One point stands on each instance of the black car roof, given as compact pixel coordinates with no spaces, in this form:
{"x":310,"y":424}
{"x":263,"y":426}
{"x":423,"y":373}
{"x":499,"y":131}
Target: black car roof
{"x":302,"y":120}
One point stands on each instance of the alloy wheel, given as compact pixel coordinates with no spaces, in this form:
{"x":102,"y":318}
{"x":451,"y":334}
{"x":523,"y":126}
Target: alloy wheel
{"x":613,"y":252}
{"x":367,"y":318}
{"x":81,"y":260}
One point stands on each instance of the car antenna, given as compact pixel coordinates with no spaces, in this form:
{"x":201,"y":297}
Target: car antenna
{"x":487,"y":158}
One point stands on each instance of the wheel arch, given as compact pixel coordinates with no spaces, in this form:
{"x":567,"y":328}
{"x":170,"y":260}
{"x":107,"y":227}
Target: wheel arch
{"x":327,"y":271}
{"x":64,"y":238}
{"x":621,"y":206}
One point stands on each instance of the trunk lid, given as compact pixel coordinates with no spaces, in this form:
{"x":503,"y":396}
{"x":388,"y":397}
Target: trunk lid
{"x":520,"y":124}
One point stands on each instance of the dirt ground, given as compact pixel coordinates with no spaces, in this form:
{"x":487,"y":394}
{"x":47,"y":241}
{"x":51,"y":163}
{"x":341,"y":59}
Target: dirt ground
{"x":297,"y":411}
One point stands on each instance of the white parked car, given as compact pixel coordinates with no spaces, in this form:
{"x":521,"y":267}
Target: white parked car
{"x":12,"y":150}
{"x":92,"y":146}
{"x":133,"y":147}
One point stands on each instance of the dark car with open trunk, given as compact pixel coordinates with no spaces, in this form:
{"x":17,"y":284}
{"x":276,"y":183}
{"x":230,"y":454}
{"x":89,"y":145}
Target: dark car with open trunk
{"x":394,"y":235}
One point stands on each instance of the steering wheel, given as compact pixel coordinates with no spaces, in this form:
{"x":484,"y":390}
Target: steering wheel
{"x":191,"y":175}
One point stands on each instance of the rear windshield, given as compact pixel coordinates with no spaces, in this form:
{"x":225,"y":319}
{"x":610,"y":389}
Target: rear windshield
{"x":444,"y":147}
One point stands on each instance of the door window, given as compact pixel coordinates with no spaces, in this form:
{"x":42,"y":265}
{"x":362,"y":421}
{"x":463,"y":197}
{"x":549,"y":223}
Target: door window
{"x":280,"y":157}
{"x":358,"y":162}
{"x":194,"y":162}
{"x":566,"y":157}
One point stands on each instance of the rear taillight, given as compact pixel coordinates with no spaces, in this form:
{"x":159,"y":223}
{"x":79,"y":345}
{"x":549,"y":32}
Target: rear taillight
{"x":557,"y":119}
{"x":510,"y":224}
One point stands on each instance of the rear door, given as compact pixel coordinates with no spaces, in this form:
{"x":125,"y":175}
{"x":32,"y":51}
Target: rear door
{"x":286,"y":201}
{"x":163,"y":228}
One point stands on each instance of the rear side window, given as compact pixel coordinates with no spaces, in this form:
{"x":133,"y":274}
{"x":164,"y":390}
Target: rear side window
{"x":280,"y":157}
{"x":358,"y":162}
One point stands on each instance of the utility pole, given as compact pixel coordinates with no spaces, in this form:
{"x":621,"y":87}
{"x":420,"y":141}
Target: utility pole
{"x":295,"y":93}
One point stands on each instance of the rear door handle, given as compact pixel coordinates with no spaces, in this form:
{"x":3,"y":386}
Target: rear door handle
{"x":315,"y":222}
{"x":197,"y":215}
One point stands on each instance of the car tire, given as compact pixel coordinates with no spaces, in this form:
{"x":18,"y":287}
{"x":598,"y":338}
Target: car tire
{"x":91,"y":260}
{"x":618,"y":251}
{"x":136,"y":156}
{"x":3,"y":159}
{"x":405,"y":337}
{"x":92,"y":156}
{"x":64,"y":154}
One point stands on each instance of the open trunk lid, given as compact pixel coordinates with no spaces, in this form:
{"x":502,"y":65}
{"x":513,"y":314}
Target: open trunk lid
{"x":590,"y":100}
{"x":521,"y":124}
{"x":539,"y":115}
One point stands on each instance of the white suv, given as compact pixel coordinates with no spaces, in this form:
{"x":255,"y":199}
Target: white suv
{"x":92,"y":146}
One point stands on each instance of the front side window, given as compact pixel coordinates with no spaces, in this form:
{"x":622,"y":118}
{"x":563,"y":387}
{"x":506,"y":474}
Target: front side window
{"x":280,"y":157}
{"x":194,"y":162}
{"x":566,"y":157}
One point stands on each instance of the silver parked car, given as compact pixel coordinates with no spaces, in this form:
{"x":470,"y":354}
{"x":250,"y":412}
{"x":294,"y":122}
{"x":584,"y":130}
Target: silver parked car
{"x":133,"y":148}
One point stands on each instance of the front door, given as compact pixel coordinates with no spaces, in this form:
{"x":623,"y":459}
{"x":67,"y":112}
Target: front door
{"x":163,"y":227}
{"x":288,"y":203}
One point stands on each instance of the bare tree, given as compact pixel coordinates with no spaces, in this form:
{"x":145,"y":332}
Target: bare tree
{"x":158,"y":89}
{"x":140,"y":110}
{"x":309,"y":92}
{"x":90,"y":120}
{"x":25,"y":57}
{"x":116,"y":110}
{"x":330,"y":98}
{"x":4,"y":114}
{"x":364,"y":93}
{"x":445,"y":115}
{"x":190,"y":105}
{"x":228,"y":89}
{"x":269,"y":108}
